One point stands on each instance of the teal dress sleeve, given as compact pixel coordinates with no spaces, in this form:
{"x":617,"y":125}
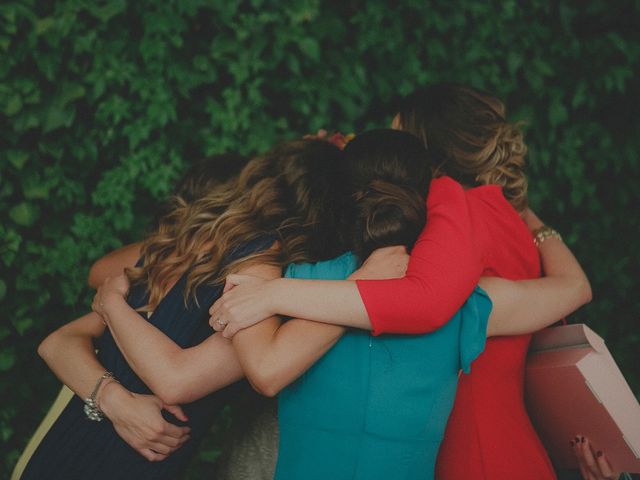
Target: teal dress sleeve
{"x":338,"y":268}
{"x":473,"y":327}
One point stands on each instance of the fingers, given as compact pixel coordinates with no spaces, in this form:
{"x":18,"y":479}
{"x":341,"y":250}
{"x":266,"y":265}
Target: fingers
{"x":160,"y":448}
{"x":215,"y":314}
{"x":228,"y":285}
{"x":605,"y":467}
{"x":584,"y":471}
{"x":151,"y":455}
{"x":576,"y":444}
{"x":229,"y":331}
{"x":589,"y":457}
{"x":175,"y":431}
{"x":173,"y":443}
{"x":176,"y":411}
{"x":593,"y":465}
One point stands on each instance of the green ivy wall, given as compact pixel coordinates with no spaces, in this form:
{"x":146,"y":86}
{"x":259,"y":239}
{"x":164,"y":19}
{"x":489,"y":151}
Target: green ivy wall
{"x":104,"y":103}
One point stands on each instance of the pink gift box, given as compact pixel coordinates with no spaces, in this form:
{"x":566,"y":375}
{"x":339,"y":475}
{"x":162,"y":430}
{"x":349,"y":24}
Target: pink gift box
{"x":574,"y":387}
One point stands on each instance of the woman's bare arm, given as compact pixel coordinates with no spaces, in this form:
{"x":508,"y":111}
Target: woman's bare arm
{"x":274,"y":354}
{"x":335,"y":302}
{"x":70,"y":353}
{"x":180,"y":375}
{"x":527,"y":306}
{"x":114,"y":263}
{"x":174,"y":374}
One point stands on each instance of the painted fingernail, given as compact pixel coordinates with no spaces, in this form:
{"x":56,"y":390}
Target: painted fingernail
{"x":581,"y":439}
{"x":577,"y":439}
{"x":598,"y":453}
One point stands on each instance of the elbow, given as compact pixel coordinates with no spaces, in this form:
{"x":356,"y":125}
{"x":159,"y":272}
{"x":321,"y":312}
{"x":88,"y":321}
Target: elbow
{"x":169,"y":397}
{"x":266,"y":389}
{"x":173,"y":388}
{"x":95,"y":277}
{"x":47,"y":347}
{"x":171,"y":393}
{"x":586,"y":294}
{"x":265,"y":383}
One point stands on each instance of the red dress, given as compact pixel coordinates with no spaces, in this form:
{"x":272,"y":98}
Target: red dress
{"x":489,"y":434}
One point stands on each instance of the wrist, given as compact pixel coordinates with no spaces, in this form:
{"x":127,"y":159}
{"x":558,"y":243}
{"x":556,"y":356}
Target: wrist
{"x":544,"y":233}
{"x":110,"y":397}
{"x":274,"y":303}
{"x":112,"y":301}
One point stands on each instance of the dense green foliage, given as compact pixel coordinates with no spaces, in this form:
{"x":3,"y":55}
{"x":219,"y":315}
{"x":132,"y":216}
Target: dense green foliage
{"x":105,"y":102}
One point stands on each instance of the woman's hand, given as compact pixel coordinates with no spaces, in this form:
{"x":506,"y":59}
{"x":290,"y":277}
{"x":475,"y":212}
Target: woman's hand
{"x":246,"y":301}
{"x":138,"y":421}
{"x":593,"y":465}
{"x":383,"y":263}
{"x":116,"y":287}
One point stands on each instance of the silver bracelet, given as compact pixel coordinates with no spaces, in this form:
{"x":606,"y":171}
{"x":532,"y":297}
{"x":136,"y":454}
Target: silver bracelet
{"x":91,"y":409}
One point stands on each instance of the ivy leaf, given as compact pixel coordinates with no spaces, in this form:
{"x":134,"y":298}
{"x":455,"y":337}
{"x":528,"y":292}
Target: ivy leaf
{"x":107,"y":10}
{"x":557,"y":113}
{"x":13,"y":106}
{"x":24,"y":214}
{"x":17,"y":158}
{"x":43,"y":25}
{"x":310,"y":47}
{"x":57,"y":117}
{"x":34,"y":187}
{"x":7,"y":358}
{"x":4,"y":332}
{"x":22,"y":325}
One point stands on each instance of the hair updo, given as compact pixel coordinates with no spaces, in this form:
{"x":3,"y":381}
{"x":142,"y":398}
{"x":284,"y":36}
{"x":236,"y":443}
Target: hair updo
{"x":468,"y":138}
{"x":391,"y":175}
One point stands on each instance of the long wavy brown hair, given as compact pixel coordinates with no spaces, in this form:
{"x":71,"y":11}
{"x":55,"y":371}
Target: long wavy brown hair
{"x":468,"y":137}
{"x":294,"y":194}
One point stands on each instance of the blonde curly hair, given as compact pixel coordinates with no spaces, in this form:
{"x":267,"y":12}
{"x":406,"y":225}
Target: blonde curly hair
{"x":293,"y":193}
{"x":468,"y":137}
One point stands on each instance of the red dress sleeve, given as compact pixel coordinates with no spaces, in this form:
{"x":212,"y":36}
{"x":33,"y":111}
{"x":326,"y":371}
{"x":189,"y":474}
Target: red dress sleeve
{"x":444,"y":267}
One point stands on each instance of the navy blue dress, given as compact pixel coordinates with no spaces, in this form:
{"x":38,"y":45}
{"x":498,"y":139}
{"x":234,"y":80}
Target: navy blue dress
{"x":78,"y":448}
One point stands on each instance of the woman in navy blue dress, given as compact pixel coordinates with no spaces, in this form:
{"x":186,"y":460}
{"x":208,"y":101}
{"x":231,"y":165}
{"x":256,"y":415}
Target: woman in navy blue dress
{"x":289,"y":196}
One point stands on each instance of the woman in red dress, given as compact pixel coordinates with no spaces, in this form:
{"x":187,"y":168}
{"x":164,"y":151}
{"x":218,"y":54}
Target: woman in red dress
{"x":466,"y":129}
{"x":489,"y":434}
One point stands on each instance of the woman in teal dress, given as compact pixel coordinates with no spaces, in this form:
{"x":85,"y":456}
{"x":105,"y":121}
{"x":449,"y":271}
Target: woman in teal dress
{"x":375,"y":407}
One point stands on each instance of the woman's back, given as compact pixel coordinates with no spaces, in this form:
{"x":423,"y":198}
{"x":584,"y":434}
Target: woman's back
{"x":77,"y":448}
{"x":489,"y":422}
{"x":375,"y":407}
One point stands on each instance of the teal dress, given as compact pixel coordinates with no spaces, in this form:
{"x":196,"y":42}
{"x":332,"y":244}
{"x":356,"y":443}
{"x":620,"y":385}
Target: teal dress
{"x":376,"y":407}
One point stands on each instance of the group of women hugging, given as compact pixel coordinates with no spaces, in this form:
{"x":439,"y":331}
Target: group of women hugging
{"x":385,"y":293}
